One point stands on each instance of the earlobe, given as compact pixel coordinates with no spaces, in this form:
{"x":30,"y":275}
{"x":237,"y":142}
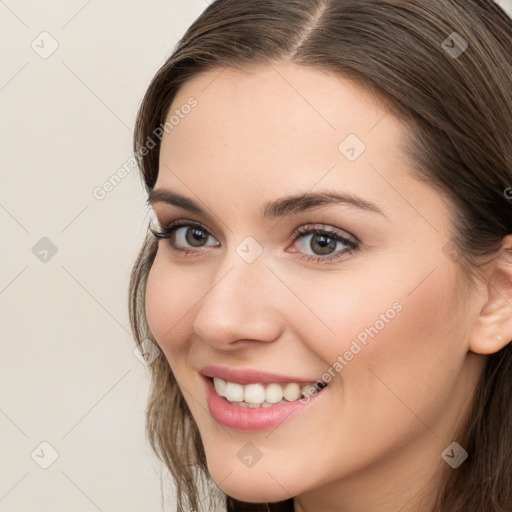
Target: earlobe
{"x":493,"y":328}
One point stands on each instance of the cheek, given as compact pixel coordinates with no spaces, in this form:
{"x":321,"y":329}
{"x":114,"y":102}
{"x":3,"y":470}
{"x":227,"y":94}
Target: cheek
{"x":394,"y":316}
{"x":382,"y":337}
{"x":343,"y":313}
{"x":169,"y":296}
{"x":411,"y":362}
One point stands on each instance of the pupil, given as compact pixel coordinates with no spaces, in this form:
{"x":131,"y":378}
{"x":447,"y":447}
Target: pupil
{"x":196,"y":237}
{"x":324,"y":244}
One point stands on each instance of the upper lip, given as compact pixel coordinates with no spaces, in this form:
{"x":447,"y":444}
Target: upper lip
{"x":248,"y":376}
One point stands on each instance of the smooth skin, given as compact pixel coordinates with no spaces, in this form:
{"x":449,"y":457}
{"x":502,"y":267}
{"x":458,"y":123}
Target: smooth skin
{"x":374,"y":439}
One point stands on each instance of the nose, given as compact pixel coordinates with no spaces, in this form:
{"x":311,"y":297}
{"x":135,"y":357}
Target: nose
{"x":241,"y":306}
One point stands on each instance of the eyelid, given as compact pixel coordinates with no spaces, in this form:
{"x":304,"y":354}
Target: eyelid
{"x":169,"y":212}
{"x":324,"y":228}
{"x":174,"y":225}
{"x":336,"y":234}
{"x":303,"y":229}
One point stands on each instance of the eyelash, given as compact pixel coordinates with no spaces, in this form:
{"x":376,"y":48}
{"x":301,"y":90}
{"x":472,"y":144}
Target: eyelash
{"x":166,"y":232}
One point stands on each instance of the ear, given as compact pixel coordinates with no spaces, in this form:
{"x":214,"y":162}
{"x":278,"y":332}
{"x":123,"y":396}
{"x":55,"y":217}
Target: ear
{"x":493,"y":328}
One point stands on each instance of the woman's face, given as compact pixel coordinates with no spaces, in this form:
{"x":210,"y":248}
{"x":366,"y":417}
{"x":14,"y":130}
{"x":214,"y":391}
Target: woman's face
{"x":359,"y":291}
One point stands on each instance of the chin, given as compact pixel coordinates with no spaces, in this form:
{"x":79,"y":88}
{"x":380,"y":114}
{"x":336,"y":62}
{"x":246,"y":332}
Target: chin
{"x":248,"y":484}
{"x":252,"y":492}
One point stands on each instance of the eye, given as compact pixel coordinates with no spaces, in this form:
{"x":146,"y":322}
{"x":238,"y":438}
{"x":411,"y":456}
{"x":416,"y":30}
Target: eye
{"x":325,"y":243}
{"x":182,"y":234}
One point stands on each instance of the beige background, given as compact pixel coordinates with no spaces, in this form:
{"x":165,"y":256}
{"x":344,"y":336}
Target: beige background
{"x":68,"y":374}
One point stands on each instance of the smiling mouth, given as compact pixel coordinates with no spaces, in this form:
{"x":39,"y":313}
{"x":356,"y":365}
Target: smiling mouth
{"x":265,"y":395}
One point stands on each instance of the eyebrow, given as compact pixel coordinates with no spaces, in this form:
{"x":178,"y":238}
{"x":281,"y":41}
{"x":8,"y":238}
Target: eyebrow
{"x":288,"y":205}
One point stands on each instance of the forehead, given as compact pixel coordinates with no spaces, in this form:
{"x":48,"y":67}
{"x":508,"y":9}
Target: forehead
{"x":291,"y":100}
{"x":278,"y":120}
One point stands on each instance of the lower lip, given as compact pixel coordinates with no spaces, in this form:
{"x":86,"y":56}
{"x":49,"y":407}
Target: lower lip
{"x":252,"y":418}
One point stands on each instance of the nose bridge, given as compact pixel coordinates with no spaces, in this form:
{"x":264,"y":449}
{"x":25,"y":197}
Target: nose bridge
{"x":238,"y":304}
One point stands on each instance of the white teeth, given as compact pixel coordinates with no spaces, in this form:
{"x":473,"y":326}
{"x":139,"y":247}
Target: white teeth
{"x":291,"y":391}
{"x":220,"y":386}
{"x":273,"y":393}
{"x":258,"y":395}
{"x":254,"y":393}
{"x":234,"y":392}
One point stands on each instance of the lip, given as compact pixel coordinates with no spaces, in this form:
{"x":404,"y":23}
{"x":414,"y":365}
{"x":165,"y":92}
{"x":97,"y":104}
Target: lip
{"x":253,"y":419}
{"x":243,"y":377}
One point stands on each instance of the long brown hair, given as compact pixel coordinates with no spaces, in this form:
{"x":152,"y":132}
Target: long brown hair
{"x":458,"y":104}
